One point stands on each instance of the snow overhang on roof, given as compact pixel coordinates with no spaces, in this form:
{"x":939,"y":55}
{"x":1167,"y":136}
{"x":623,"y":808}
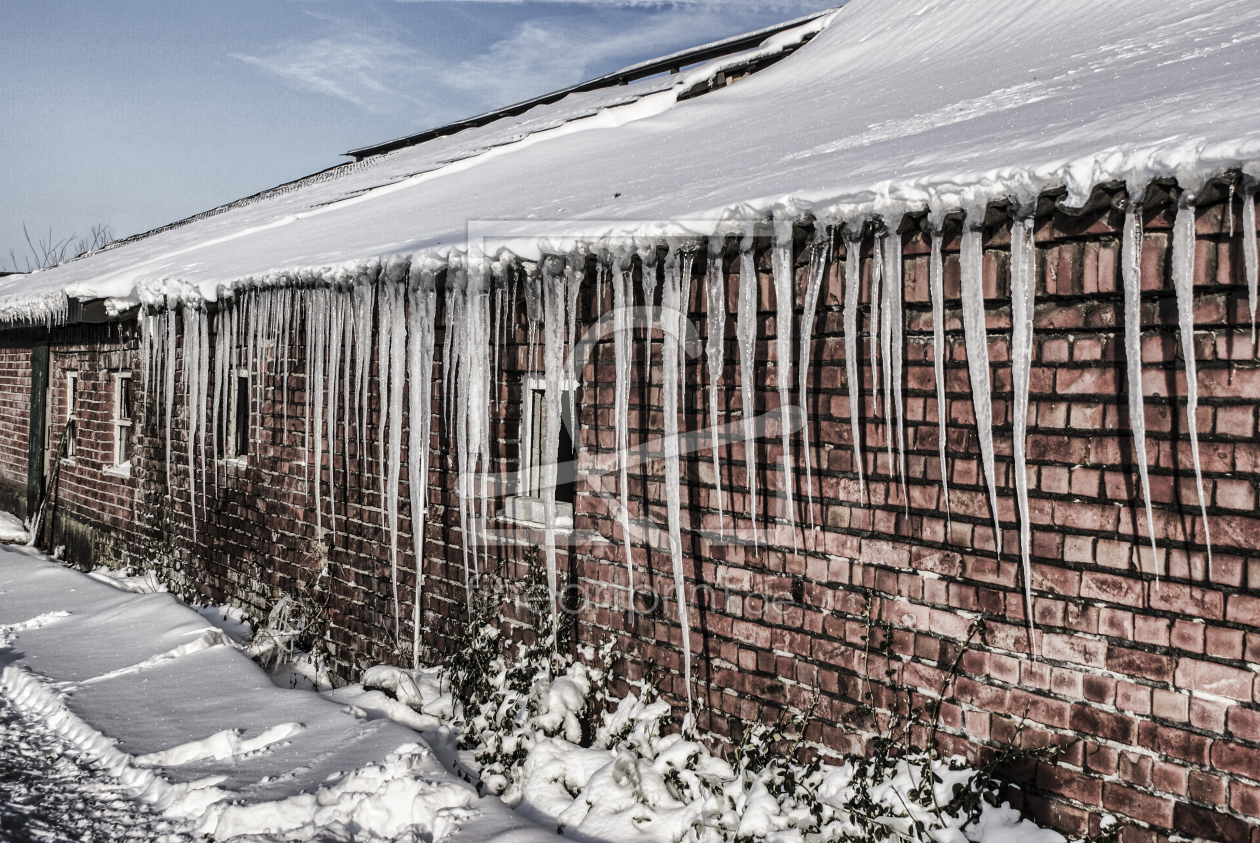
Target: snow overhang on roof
{"x":895,"y":106}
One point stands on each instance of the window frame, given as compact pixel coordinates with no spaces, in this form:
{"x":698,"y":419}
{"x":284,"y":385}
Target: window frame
{"x":122,"y":386}
{"x":72,"y":417}
{"x":236,"y":442}
{"x":528,"y":474}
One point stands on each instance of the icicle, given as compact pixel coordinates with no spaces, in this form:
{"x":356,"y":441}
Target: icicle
{"x":170,"y":390}
{"x":364,"y":304}
{"x":1023,"y":293}
{"x":316,"y":343}
{"x":421,"y":319}
{"x":336,"y":341}
{"x":785,"y":300}
{"x":1131,"y":270}
{"x":203,"y":391}
{"x":852,"y":293}
{"x":687,"y":259}
{"x":820,"y":260}
{"x":715,"y":298}
{"x":647,"y":281}
{"x":622,"y":337}
{"x":746,"y":334}
{"x":671,"y":329}
{"x":971,"y":261}
{"x":894,"y":351}
{"x":1250,"y":264}
{"x":146,"y":351}
{"x":1183,"y":283}
{"x":397,"y":372}
{"x":220,"y":372}
{"x":192,"y":347}
{"x":936,"y":283}
{"x":553,"y":364}
{"x":575,"y":274}
{"x":454,"y":322}
{"x":288,"y":304}
{"x":347,"y":375}
{"x":461,"y":304}
{"x":877,"y":315}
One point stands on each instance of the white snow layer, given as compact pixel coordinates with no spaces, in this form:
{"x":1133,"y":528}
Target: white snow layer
{"x":169,"y":707}
{"x":894,"y":105}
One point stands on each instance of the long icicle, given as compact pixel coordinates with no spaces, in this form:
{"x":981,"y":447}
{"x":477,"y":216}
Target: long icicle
{"x":820,"y":258}
{"x":936,"y":283}
{"x":421,"y":319}
{"x":894,"y":349}
{"x":1250,"y":267}
{"x":553,"y":361}
{"x":746,"y":334}
{"x":203,"y":395}
{"x":671,"y":325}
{"x":397,"y":373}
{"x":1023,"y":297}
{"x":192,"y":346}
{"x":170,"y":390}
{"x":1131,"y":270}
{"x":715,"y":345}
{"x":971,"y":261}
{"x":622,"y":351}
{"x":785,"y":299}
{"x":336,"y":342}
{"x":316,"y":341}
{"x":1183,"y":283}
{"x":852,"y":293}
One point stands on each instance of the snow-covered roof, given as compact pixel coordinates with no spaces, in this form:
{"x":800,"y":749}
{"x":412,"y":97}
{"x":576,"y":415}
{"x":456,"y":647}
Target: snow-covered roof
{"x":895,"y":105}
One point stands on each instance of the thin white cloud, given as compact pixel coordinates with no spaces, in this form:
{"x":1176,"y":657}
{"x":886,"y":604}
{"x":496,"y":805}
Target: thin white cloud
{"x":358,"y":67}
{"x":379,"y":72}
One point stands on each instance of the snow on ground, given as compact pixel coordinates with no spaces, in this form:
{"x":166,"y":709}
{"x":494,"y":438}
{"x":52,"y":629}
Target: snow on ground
{"x":897,"y":105}
{"x":12,"y":531}
{"x":155,"y":704}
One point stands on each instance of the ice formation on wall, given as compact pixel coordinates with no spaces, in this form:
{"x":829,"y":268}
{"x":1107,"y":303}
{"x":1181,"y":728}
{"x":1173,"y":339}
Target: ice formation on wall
{"x":1131,"y":273}
{"x":715,"y":346}
{"x":971,"y":263}
{"x":622,"y":336}
{"x":893,"y":350}
{"x":936,"y":284}
{"x":1183,"y":284}
{"x":421,"y":319}
{"x":671,"y":333}
{"x":553,"y":288}
{"x":819,"y":263}
{"x":1023,"y":293}
{"x":852,"y":293}
{"x":746,"y":335}
{"x":1250,"y":263}
{"x":785,"y":298}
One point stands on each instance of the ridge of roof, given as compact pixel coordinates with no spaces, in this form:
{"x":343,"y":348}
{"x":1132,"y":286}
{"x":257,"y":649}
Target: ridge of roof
{"x":672,"y":63}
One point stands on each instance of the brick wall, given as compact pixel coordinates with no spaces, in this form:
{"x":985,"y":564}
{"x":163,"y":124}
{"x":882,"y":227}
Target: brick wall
{"x":1150,"y":686}
{"x":15,"y":414}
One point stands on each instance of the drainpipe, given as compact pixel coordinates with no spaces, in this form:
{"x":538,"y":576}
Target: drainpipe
{"x":35,"y":436}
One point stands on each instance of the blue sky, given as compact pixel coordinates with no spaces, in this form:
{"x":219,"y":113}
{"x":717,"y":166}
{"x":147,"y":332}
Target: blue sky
{"x":135,"y":114}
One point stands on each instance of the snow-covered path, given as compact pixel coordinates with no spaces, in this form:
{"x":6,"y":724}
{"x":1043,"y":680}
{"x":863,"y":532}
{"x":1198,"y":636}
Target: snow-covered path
{"x":155,"y":707}
{"x":51,"y":792}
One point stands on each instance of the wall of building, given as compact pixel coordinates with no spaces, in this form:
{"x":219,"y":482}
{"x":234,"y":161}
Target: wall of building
{"x":15,"y":415}
{"x":1145,"y":674}
{"x":1144,"y":671}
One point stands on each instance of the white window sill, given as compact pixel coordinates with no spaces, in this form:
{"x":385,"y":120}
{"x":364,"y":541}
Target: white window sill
{"x":528,"y":512}
{"x":123,"y":470}
{"x":235,"y":462}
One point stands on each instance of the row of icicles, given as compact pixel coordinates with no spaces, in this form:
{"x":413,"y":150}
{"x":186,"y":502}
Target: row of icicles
{"x":390,"y":308}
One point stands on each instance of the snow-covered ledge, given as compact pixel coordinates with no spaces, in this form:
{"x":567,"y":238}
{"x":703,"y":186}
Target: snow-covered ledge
{"x":528,"y":511}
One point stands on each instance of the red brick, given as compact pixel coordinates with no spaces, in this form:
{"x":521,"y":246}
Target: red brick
{"x":1214,"y":678}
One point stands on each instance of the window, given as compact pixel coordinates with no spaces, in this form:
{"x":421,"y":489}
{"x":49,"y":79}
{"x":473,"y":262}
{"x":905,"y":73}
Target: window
{"x":122,"y":419}
{"x":527,"y":505}
{"x":71,"y":432}
{"x":535,"y":418}
{"x":238,"y":420}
